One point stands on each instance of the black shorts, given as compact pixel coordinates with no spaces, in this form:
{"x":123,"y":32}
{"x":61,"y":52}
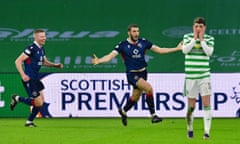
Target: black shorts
{"x":33,"y":87}
{"x":133,"y":77}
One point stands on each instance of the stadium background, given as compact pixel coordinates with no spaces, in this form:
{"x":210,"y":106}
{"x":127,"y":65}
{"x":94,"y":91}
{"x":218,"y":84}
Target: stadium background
{"x":77,"y":29}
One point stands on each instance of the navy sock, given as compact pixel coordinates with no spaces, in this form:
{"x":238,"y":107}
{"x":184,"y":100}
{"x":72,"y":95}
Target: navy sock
{"x":27,"y":101}
{"x":150,"y":103}
{"x":33,"y":114}
{"x":129,"y":105}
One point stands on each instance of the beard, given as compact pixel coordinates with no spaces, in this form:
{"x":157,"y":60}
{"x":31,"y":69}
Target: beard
{"x":134,"y":39}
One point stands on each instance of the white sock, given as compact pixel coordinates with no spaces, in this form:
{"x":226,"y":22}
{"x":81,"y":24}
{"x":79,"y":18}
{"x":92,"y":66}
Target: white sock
{"x":190,"y":123}
{"x":207,"y":120}
{"x":152,"y":115}
{"x":17,"y":98}
{"x":124,"y":111}
{"x":28,"y":122}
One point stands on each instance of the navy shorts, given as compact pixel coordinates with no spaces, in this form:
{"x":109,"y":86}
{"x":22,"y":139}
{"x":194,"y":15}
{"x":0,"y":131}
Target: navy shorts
{"x":133,"y":77}
{"x":33,"y":87}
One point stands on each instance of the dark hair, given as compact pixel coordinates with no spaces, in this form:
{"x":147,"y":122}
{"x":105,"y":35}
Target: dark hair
{"x":38,"y":31}
{"x":199,"y":20}
{"x":132,"y":26}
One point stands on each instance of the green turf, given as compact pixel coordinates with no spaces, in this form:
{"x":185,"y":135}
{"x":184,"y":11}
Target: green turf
{"x":110,"y":131}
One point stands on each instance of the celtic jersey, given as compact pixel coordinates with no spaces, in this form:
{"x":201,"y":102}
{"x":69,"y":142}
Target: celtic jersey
{"x":196,"y":61}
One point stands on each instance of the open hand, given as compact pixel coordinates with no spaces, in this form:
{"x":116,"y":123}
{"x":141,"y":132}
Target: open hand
{"x":95,"y":60}
{"x":59,"y":65}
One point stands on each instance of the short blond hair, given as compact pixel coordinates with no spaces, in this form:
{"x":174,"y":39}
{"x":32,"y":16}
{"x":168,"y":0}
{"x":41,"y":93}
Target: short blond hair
{"x":38,"y":31}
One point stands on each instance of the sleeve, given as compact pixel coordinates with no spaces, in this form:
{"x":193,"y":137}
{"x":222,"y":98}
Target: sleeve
{"x":208,"y":46}
{"x":118,"y":48}
{"x":188,"y":47}
{"x":28,"y":51}
{"x":148,"y":44}
{"x":188,"y":43}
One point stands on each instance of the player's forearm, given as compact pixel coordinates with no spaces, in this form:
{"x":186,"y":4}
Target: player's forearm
{"x":166,"y":50}
{"x":159,"y":50}
{"x":188,"y":47}
{"x":49,"y":64}
{"x":170,"y":50}
{"x":105,"y":59}
{"x":208,"y":50}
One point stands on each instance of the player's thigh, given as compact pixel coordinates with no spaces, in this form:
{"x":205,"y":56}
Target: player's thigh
{"x":39,"y":100}
{"x":144,"y":85}
{"x":205,"y":87}
{"x":205,"y":91}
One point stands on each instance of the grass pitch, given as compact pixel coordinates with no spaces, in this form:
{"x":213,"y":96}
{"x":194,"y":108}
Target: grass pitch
{"x":111,"y":131}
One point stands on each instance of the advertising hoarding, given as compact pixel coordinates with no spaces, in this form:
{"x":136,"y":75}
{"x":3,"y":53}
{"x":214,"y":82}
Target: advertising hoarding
{"x":100,"y":95}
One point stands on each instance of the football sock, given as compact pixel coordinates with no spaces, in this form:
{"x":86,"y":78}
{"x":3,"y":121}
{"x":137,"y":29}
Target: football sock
{"x":33,"y":114}
{"x":28,"y":101}
{"x":28,"y":122}
{"x":150,"y":103}
{"x":190,"y":118}
{"x":129,"y":104}
{"x":207,"y":119}
{"x":17,"y":98}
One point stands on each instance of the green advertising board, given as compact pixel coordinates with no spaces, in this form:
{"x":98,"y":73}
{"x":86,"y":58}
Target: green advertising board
{"x":11,"y":84}
{"x":78,"y":29}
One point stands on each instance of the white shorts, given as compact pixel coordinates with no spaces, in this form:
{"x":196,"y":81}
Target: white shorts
{"x":194,"y":87}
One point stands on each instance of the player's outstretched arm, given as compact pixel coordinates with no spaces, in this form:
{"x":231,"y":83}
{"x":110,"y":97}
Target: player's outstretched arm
{"x":47,"y":63}
{"x":160,"y":50}
{"x":104,"y":59}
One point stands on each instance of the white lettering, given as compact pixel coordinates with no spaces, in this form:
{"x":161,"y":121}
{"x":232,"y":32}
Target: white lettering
{"x":69,"y":34}
{"x":104,"y":34}
{"x":227,"y":31}
{"x":4,"y":34}
{"x":27,"y":34}
{"x":24,"y":33}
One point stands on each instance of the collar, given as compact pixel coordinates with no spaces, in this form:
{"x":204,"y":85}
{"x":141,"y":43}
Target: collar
{"x":36,"y":44}
{"x":131,"y":42}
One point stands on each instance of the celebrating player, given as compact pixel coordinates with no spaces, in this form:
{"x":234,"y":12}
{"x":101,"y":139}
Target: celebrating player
{"x":133,"y":52}
{"x":198,"y":47}
{"x":33,"y":58}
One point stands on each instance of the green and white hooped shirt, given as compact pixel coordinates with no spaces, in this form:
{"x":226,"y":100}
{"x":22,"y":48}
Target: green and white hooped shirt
{"x":196,"y":61}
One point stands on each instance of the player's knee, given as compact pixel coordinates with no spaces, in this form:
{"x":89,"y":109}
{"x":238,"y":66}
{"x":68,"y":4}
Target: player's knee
{"x":149,"y":90}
